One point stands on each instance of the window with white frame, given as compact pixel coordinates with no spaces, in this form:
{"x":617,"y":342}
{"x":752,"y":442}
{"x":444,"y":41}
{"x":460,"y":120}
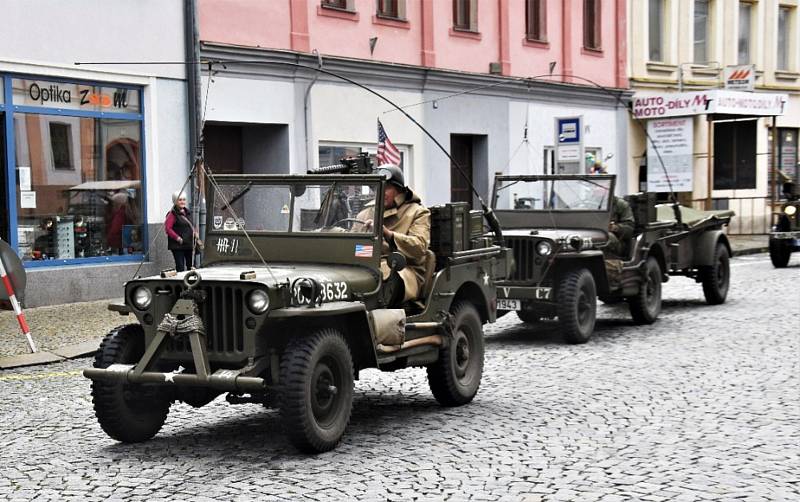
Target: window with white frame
{"x":702,"y":30}
{"x":656,"y":30}
{"x":786,"y":28}
{"x":746,"y":14}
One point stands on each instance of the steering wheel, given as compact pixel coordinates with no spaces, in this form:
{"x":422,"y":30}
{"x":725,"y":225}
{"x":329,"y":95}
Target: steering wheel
{"x":345,"y":220}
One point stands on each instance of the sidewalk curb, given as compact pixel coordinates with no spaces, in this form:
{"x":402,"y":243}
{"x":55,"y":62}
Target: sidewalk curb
{"x":748,"y":251}
{"x":65,"y":353}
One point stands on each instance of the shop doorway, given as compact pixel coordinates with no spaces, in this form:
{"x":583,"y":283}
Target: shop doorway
{"x":735,"y":155}
{"x":247,"y":148}
{"x":462,"y":151}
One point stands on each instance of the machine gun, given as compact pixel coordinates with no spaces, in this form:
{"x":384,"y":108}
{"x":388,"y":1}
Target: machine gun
{"x":348,"y":165}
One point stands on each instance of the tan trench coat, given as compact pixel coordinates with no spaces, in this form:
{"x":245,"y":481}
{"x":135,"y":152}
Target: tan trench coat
{"x":411,"y":223}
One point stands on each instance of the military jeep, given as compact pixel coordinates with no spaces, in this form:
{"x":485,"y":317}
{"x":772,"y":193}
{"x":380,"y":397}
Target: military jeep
{"x":286,"y":310}
{"x":557,"y":227}
{"x":785,"y":235}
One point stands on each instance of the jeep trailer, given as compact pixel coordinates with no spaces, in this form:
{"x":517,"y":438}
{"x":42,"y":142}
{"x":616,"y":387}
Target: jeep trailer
{"x":558,"y":227}
{"x":289,"y":306}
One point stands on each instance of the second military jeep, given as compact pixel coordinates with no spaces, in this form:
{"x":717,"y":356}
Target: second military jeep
{"x":286,"y":310}
{"x":785,"y":235}
{"x":557,"y":227}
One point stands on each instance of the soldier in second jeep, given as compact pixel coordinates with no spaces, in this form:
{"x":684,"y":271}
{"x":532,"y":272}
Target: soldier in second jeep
{"x":620,"y":228}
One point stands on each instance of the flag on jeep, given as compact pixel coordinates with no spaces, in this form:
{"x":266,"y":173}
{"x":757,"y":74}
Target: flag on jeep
{"x":387,"y":152}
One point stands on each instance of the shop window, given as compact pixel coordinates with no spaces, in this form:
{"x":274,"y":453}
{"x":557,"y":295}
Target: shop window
{"x":656,"y":30}
{"x":465,"y":15}
{"x":536,"y":20}
{"x":701,"y":30}
{"x":392,"y":9}
{"x":591,"y":24}
{"x":788,"y":158}
{"x":745,"y":31}
{"x":82,"y":196}
{"x":735,"y":155}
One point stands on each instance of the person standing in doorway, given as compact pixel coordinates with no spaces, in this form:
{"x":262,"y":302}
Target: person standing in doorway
{"x":180,"y":232}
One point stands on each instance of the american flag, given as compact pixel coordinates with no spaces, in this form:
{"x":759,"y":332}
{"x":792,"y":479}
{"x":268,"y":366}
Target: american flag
{"x":364,"y":251}
{"x":387,"y":152}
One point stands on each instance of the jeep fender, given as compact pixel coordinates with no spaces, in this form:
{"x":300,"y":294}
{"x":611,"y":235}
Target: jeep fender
{"x":594,"y":263}
{"x":706,"y":244}
{"x":350,"y":317}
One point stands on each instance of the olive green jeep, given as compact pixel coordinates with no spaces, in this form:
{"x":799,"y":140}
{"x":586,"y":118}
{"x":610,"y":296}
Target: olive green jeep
{"x":557,"y":227}
{"x":289,"y":306}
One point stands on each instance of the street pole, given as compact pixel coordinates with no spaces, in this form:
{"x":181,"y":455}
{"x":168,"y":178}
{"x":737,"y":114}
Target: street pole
{"x":194,"y":96}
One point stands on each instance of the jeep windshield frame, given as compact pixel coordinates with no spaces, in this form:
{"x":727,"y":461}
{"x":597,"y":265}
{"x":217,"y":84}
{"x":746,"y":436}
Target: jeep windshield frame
{"x":294,"y":219}
{"x":564,"y":201}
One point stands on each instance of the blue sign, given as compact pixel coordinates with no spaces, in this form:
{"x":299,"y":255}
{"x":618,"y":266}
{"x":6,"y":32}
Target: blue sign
{"x":569,"y":130}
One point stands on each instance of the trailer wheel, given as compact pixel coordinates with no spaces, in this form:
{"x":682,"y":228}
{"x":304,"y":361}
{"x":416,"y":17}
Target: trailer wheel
{"x":646,"y":304}
{"x":716,"y":278}
{"x":129,"y":413}
{"x":454,"y":379}
{"x":779,"y":252}
{"x":577,"y":306}
{"x":316,"y":398}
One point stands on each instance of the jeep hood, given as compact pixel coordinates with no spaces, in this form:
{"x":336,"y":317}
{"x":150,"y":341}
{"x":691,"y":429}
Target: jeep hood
{"x":597,"y":236}
{"x":358,"y":279}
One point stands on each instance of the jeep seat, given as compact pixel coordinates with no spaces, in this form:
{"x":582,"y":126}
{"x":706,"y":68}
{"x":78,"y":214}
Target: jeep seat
{"x":427,"y":279}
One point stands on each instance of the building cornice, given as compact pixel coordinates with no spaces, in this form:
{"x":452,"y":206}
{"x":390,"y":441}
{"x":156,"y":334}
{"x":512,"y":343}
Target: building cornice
{"x":244,"y":62}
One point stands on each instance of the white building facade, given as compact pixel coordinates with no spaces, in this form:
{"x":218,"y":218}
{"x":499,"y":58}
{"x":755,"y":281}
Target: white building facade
{"x":90,"y":153}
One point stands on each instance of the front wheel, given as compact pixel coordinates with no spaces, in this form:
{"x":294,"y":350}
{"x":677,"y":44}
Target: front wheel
{"x":577,"y":306}
{"x":646,"y":304}
{"x":316,"y":378}
{"x":454,"y":379}
{"x":779,"y":252}
{"x":129,"y":413}
{"x":716,"y":278}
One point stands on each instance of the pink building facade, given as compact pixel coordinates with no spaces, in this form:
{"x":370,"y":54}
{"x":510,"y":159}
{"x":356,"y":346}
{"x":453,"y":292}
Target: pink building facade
{"x":423,"y":34}
{"x":457,"y":65}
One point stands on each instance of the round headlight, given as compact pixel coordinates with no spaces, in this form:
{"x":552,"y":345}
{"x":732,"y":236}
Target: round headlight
{"x":258,"y":301}
{"x":544,"y":248}
{"x":142,"y":297}
{"x":789,"y":210}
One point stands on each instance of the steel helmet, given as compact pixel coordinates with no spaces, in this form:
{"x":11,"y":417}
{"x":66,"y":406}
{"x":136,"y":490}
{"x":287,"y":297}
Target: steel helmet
{"x":393,"y":174}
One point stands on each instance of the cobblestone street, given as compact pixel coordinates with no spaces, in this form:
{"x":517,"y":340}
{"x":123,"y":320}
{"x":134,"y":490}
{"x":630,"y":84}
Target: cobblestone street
{"x":702,"y":405}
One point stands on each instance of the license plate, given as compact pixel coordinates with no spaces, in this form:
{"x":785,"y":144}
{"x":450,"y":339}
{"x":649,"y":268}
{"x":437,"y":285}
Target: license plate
{"x":506,"y":304}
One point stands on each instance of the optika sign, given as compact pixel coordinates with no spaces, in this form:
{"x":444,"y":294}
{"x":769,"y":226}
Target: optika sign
{"x":55,"y":95}
{"x":670,"y":105}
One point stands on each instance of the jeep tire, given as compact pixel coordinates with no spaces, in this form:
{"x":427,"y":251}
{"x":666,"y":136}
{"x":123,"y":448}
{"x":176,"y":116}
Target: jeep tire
{"x":577,"y":306}
{"x":454,"y":379}
{"x":779,"y":252}
{"x":316,"y":381}
{"x":716,"y":277}
{"x":646,"y":304}
{"x":129,"y":413}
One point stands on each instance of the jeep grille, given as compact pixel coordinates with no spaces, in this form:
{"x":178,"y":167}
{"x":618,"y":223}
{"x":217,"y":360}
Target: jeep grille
{"x":223,"y":316}
{"x":524,"y":258}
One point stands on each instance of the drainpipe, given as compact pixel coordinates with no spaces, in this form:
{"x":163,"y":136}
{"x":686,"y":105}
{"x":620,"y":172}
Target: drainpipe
{"x":194,"y":94}
{"x":306,"y":98}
